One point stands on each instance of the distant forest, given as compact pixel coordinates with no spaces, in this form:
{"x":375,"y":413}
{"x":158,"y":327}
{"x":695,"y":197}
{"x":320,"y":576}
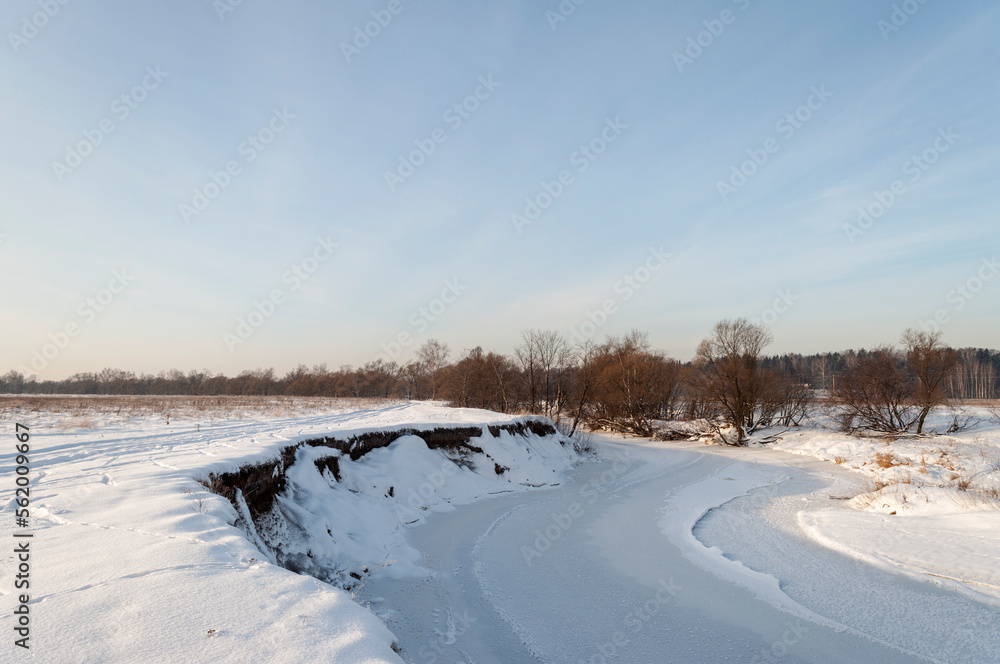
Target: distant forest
{"x":544,"y":367}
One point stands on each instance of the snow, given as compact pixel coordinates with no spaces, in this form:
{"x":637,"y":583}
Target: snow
{"x":335,"y":528}
{"x":961,"y":551}
{"x":650,"y":552}
{"x":687,"y":506}
{"x":134,"y":560}
{"x":930,"y":509}
{"x":602,"y":583}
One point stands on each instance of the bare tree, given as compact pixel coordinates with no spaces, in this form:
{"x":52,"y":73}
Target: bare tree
{"x":432,"y":356}
{"x":541,"y":354}
{"x":931,"y":363}
{"x":975,"y":376}
{"x":587,"y":380}
{"x":821,"y":367}
{"x":503,"y":373}
{"x":480,"y":380}
{"x":526,"y":355}
{"x":784,"y":400}
{"x":413,"y":379}
{"x":635,"y":385}
{"x":729,"y":376}
{"x":876,"y":393}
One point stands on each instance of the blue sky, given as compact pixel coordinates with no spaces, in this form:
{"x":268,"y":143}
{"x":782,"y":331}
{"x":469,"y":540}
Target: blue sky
{"x":773,"y":248}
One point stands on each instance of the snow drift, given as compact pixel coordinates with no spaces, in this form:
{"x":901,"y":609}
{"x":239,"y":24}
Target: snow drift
{"x":336,"y":508}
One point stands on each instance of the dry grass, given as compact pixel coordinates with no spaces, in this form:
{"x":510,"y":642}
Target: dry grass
{"x":93,"y":411}
{"x":839,"y":460}
{"x":885,"y":460}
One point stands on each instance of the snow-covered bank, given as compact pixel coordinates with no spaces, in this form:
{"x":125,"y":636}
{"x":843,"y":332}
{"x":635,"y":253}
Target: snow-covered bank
{"x":950,"y":473}
{"x":686,"y":506}
{"x":135,"y":560}
{"x":961,"y":551}
{"x":337,"y":507}
{"x":929,"y":507}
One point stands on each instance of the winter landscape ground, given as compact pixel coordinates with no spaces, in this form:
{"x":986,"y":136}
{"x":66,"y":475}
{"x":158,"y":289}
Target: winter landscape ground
{"x":517,"y":545}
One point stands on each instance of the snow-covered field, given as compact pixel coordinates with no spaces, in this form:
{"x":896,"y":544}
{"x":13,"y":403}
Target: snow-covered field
{"x":133,"y":559}
{"x":516,"y":549}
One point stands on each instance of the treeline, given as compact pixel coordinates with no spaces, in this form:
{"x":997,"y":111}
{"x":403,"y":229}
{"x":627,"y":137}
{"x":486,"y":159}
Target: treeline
{"x":622,"y":385}
{"x":976,"y":374}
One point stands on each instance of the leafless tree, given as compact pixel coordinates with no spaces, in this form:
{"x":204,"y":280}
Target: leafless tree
{"x":634,"y":385}
{"x":876,"y":393}
{"x":728,"y":375}
{"x":413,"y":380}
{"x":784,"y":400}
{"x":821,"y":368}
{"x":586,"y":383}
{"x":432,"y":357}
{"x":480,"y":380}
{"x":974,"y":377}
{"x":930,"y":362}
{"x":540,"y":355}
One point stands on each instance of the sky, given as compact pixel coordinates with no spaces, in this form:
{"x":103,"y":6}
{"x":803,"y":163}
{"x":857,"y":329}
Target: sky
{"x":227,"y":185}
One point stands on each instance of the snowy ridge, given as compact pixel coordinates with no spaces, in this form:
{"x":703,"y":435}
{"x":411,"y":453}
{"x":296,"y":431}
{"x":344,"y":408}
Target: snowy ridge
{"x":935,"y":548}
{"x":687,"y":506}
{"x":691,"y":503}
{"x":337,"y":507}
